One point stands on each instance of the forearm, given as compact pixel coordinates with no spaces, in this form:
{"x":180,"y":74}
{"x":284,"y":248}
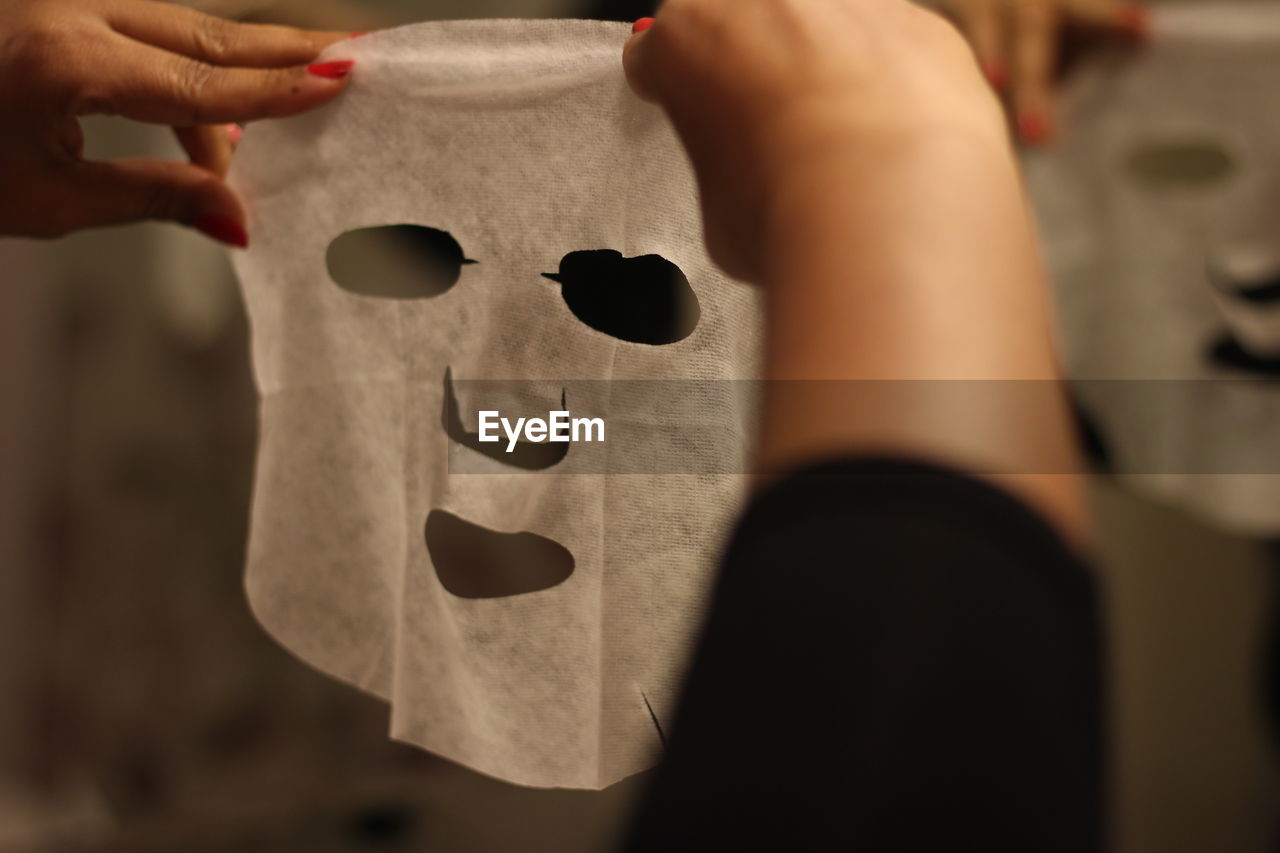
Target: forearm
{"x":916,"y":288}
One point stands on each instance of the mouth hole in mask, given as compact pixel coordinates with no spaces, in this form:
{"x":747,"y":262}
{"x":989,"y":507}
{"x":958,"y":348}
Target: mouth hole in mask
{"x":644,"y":300}
{"x":475,"y":562}
{"x":396,"y":261}
{"x":1175,"y":164}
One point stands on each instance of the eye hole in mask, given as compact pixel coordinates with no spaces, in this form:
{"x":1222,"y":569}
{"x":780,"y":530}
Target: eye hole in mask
{"x":1182,"y":164}
{"x":644,"y":300}
{"x":396,"y":261}
{"x":476,"y":562}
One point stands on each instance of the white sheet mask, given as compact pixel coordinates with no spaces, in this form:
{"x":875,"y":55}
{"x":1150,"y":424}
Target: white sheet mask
{"x":511,"y":145}
{"x":1160,"y":205}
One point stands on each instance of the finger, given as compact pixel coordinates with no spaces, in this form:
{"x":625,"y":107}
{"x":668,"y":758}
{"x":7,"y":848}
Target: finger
{"x":214,"y":40}
{"x":1035,"y":41}
{"x":208,"y":146}
{"x":1129,"y":19}
{"x":980,"y":21}
{"x":157,"y":86}
{"x":119,"y":191}
{"x":634,"y":64}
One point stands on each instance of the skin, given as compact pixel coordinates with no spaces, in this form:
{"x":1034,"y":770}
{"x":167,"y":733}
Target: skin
{"x":852,"y":162}
{"x":148,"y":61}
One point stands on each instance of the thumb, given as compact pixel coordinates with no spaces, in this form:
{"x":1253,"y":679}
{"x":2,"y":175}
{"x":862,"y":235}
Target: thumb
{"x":634,"y":63}
{"x":119,"y":191}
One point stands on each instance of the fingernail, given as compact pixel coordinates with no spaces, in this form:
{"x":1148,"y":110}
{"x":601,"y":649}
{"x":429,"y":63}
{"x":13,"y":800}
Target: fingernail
{"x":234,"y":133}
{"x":1033,"y":127}
{"x":1135,"y":20}
{"x":334,"y":70}
{"x":641,"y":25}
{"x":224,"y":229}
{"x":357,"y":35}
{"x":997,"y":75}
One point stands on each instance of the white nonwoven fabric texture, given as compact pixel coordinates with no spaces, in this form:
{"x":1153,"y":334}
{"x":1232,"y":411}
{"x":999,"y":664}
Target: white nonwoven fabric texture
{"x":522,"y":141}
{"x":1162,"y":190}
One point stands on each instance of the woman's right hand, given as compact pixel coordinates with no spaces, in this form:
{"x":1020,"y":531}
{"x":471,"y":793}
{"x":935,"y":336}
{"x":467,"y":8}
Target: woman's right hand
{"x":761,"y":90}
{"x":149,"y":61}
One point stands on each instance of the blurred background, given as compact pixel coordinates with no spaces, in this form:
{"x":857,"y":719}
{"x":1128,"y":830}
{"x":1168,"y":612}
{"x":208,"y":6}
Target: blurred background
{"x":142,"y":709}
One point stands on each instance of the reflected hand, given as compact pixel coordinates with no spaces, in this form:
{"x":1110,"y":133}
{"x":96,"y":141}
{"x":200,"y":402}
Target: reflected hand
{"x":1017,"y":43}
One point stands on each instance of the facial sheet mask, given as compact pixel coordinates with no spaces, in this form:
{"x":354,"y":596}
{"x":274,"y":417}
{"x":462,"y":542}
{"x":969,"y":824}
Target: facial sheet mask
{"x":1160,"y":208}
{"x":496,"y":166}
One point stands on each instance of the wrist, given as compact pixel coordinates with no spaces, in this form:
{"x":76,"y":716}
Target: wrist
{"x":933,"y":239}
{"x":828,"y":189}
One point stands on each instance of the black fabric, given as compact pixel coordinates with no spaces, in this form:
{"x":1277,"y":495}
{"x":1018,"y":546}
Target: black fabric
{"x":1269,"y":663}
{"x":897,"y":658}
{"x":620,"y":10}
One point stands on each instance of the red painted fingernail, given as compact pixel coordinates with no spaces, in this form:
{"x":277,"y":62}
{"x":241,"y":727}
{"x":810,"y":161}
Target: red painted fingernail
{"x":1135,"y":20}
{"x":224,"y":229}
{"x":997,"y":75}
{"x":641,"y":25}
{"x":235,"y":133}
{"x":335,"y":70}
{"x":1033,"y":127}
{"x":357,"y":35}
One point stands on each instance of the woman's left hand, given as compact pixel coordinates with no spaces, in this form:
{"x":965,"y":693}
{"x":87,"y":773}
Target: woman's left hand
{"x":153,"y":62}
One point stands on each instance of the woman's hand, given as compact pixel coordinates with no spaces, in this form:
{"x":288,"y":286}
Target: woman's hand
{"x":149,"y":61}
{"x":761,"y":91}
{"x":1017,"y":43}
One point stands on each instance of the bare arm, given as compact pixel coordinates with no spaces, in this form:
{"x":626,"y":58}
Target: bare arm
{"x":854,"y":164}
